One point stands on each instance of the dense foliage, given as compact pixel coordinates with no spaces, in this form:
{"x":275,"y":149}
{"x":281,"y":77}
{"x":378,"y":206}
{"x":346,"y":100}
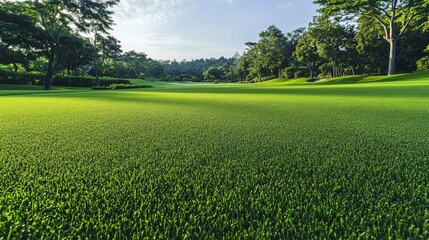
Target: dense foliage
{"x":8,"y":77}
{"x":266,"y":161}
{"x":328,"y":47}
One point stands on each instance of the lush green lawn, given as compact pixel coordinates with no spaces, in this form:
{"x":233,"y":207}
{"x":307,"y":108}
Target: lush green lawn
{"x":272,"y":160}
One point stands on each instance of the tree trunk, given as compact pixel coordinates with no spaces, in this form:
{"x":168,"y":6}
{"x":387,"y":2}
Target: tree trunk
{"x":310,"y":68}
{"x":97,"y":77}
{"x":53,"y":66}
{"x":48,"y":79}
{"x":392,"y":57}
{"x":50,"y":70}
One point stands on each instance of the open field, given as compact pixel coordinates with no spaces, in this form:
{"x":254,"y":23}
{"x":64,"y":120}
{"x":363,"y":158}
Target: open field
{"x":270,"y":160}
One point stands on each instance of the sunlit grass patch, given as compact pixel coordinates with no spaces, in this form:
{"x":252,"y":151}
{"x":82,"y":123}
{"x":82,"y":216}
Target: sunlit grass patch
{"x":217,"y":161}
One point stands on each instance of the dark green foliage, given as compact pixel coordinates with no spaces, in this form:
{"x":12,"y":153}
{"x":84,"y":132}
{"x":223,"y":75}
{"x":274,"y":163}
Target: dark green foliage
{"x":192,"y":70}
{"x":371,"y":47}
{"x":77,"y":52}
{"x":214,"y":73}
{"x":269,"y":56}
{"x":295,"y":72}
{"x":395,"y":17}
{"x":19,"y":35}
{"x":8,"y":77}
{"x":423,"y":64}
{"x":136,"y":61}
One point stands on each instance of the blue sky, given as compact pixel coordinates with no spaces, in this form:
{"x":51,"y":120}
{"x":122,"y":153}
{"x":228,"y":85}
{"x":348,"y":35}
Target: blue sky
{"x":192,"y":29}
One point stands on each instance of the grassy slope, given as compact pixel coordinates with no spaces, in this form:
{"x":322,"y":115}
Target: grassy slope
{"x":406,"y":78}
{"x":268,"y":160}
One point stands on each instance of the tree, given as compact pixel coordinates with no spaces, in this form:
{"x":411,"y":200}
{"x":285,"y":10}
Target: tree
{"x":306,"y":52}
{"x":107,"y":48}
{"x":334,"y":43}
{"x":77,"y":51}
{"x":214,"y":73}
{"x":371,"y":47}
{"x":154,"y":69}
{"x":242,"y":66}
{"x":97,"y":21}
{"x":19,"y":35}
{"x":136,"y":60}
{"x":394,"y":16}
{"x":257,"y":62}
{"x":273,"y":52}
{"x":60,"y":17}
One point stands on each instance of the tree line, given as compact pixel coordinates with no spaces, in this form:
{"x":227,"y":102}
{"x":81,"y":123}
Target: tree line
{"x":71,"y":37}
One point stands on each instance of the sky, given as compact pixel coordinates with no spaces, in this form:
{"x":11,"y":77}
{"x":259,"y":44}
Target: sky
{"x":194,"y":29}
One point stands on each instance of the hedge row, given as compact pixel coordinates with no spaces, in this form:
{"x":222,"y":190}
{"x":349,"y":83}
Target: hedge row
{"x":121,"y":86}
{"x":9,"y":77}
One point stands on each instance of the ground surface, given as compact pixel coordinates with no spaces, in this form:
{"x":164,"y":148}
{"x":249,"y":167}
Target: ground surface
{"x":282,"y":159}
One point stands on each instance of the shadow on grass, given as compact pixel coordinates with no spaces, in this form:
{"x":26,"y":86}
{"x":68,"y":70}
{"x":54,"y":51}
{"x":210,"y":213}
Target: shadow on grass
{"x":17,"y":90}
{"x":346,"y":86}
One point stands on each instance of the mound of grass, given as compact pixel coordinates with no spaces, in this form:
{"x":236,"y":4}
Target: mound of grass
{"x":418,"y":76}
{"x":217,"y":161}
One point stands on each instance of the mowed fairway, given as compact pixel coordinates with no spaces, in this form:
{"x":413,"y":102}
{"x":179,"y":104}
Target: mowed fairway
{"x":261,"y":161}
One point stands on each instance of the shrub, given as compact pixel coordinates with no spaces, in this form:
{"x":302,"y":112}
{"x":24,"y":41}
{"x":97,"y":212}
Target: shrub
{"x":10,"y":77}
{"x":35,"y":78}
{"x":423,"y":64}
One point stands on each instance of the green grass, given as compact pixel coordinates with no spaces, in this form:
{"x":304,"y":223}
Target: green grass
{"x":257,"y":161}
{"x":6,"y":90}
{"x":418,"y":76}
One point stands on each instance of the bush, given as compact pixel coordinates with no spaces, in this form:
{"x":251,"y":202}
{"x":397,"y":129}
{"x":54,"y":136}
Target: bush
{"x":9,"y":77}
{"x":34,"y":78}
{"x":423,"y":64}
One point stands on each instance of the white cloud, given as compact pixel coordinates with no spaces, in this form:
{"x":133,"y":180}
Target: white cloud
{"x":149,"y":11}
{"x":226,"y":1}
{"x":171,"y":46}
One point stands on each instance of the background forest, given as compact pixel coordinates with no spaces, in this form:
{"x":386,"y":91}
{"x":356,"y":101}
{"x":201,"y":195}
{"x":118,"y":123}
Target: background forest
{"x":68,"y":43}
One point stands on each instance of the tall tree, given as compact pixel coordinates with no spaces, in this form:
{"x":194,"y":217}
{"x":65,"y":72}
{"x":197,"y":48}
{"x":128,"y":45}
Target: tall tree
{"x":306,"y":52}
{"x":97,"y":22}
{"x":136,"y":60}
{"x":333,"y":42}
{"x":154,"y":69}
{"x":371,"y":47}
{"x":273,"y":50}
{"x":77,"y":52}
{"x":107,"y":48}
{"x":59,"y":17}
{"x":394,"y":16}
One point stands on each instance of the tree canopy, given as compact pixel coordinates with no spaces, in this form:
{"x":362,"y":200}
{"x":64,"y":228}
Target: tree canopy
{"x":72,"y":37}
{"x":394,"y":16}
